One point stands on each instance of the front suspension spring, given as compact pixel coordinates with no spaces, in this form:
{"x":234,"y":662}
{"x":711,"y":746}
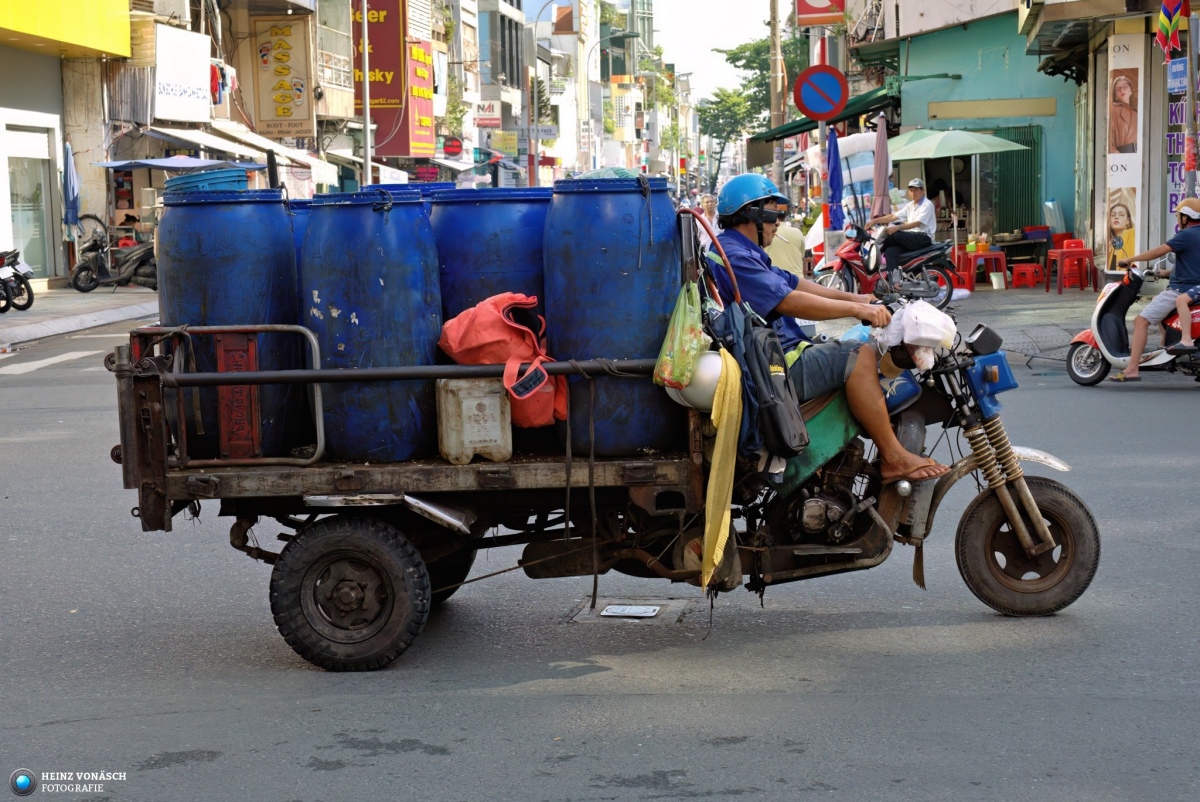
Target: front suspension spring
{"x":998,"y":438}
{"x":985,"y":457}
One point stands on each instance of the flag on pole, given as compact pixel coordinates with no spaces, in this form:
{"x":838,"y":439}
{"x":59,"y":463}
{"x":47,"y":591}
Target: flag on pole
{"x":1168,"y":25}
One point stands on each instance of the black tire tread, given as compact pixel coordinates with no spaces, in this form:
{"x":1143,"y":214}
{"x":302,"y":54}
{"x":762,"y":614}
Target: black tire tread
{"x":289,"y":617}
{"x":1075,"y":377}
{"x":1038,"y":486}
{"x":24,"y":282}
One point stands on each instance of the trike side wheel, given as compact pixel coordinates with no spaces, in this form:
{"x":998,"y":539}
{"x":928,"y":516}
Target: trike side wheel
{"x":999,"y":572}
{"x":350,"y":593}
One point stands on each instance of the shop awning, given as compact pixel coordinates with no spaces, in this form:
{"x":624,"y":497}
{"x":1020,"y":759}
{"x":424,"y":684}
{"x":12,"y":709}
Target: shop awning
{"x":860,"y":104}
{"x":387,"y":175}
{"x":323,"y":172}
{"x":205,"y":140}
{"x":457,"y":166}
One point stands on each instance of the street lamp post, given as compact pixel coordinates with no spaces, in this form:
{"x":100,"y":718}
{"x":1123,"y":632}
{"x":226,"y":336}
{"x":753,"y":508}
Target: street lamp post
{"x":621,"y":36}
{"x":533,"y":95}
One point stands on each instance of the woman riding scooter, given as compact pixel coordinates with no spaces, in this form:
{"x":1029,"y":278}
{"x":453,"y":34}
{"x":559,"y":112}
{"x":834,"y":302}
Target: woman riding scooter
{"x":1186,"y":276}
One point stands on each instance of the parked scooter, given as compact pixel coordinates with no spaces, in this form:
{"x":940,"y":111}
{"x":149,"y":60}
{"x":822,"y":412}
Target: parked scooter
{"x":858,"y":266}
{"x":98,"y":268}
{"x":1105,"y":344}
{"x":15,"y":276}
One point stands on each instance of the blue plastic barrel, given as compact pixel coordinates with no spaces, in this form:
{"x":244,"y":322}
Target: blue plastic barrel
{"x":426,"y":188}
{"x":369,"y":291}
{"x":612,"y":265}
{"x":231,"y":178}
{"x":299,"y":211}
{"x":489,"y":241}
{"x":228,"y":258}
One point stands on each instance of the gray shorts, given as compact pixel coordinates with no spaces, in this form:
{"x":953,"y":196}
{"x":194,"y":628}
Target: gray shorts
{"x":1160,"y":306}
{"x":823,"y":368}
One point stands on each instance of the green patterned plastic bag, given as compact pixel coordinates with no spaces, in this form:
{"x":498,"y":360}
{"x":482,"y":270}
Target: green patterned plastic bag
{"x":685,"y":341}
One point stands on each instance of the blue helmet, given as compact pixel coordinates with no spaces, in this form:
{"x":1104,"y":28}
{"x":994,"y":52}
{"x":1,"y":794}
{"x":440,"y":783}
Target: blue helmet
{"x":747,"y":188}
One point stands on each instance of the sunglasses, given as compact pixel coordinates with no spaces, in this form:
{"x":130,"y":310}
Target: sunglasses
{"x":769,"y":215}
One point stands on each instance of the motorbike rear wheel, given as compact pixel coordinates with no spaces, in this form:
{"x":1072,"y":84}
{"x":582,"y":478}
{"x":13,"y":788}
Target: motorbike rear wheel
{"x":945,"y":283}
{"x":1086,"y":365}
{"x":5,"y":298}
{"x":84,"y":277}
{"x":23,"y":299}
{"x":999,"y":572}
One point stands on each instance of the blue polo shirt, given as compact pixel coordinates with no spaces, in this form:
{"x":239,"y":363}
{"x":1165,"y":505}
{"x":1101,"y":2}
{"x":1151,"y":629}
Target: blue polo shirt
{"x":762,"y":284}
{"x":1186,"y":245}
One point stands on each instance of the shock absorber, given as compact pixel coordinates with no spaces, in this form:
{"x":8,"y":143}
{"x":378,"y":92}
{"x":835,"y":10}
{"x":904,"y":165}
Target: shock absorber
{"x":997,"y":437}
{"x":988,"y":464}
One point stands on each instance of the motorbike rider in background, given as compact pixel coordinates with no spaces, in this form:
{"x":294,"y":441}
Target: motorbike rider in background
{"x":748,"y":210}
{"x":1184,"y":284}
{"x":914,"y":224}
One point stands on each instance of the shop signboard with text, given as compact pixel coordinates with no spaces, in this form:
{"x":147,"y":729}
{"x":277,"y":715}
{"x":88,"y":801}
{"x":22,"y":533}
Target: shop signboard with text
{"x":182,"y":86}
{"x":487,"y":114}
{"x":820,"y":12}
{"x":283,"y":78}
{"x":400,"y":75}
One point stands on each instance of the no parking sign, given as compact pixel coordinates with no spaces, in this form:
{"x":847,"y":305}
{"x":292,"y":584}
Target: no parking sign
{"x":821,"y":92}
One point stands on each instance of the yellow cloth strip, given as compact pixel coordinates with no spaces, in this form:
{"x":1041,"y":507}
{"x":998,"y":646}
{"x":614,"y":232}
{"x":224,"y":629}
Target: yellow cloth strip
{"x":727,"y":418}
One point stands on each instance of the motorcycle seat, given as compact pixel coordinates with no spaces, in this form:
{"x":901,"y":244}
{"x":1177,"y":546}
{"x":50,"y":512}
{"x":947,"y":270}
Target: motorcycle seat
{"x":908,"y":256}
{"x":809,"y":409}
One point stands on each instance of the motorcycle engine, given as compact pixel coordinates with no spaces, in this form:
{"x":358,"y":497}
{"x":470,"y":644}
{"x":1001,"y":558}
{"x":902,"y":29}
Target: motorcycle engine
{"x":824,"y":502}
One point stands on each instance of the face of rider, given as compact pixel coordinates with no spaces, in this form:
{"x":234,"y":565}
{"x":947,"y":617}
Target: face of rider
{"x":915,"y":194}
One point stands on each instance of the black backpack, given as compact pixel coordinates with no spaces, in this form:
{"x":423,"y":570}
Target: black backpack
{"x":779,"y":419}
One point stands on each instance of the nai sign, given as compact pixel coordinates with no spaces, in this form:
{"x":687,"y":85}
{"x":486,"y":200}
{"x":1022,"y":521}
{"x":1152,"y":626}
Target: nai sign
{"x":820,"y":12}
{"x":487,"y":114}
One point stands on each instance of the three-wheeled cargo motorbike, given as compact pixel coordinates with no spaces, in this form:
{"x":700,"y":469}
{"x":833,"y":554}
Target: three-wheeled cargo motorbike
{"x":369,"y":548}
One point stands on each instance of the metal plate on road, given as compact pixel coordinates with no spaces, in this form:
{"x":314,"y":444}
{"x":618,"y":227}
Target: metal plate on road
{"x":630,"y":611}
{"x":821,"y":92}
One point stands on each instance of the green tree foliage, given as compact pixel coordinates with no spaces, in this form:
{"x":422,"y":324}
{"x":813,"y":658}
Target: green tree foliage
{"x":659,"y":89}
{"x":609,"y":15}
{"x":724,"y":117}
{"x":456,"y":109}
{"x":544,"y":112}
{"x":754,"y":59}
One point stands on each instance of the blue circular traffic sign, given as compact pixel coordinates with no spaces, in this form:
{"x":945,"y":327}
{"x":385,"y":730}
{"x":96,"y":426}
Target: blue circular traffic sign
{"x":821,"y":92}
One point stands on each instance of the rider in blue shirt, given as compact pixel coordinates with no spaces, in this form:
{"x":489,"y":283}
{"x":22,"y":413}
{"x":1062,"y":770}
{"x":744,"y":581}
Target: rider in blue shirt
{"x":749,"y":209}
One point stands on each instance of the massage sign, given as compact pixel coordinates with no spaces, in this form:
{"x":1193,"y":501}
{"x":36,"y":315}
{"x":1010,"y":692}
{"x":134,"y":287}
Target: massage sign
{"x":400,"y":75}
{"x":283,"y":84}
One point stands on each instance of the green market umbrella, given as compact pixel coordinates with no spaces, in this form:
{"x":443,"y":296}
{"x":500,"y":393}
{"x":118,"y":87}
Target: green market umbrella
{"x":948,"y":144}
{"x":903,"y":140}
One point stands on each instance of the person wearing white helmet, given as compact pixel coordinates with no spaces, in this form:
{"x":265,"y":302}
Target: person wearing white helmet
{"x":912,"y":226}
{"x":749,"y":209}
{"x":1184,"y":288}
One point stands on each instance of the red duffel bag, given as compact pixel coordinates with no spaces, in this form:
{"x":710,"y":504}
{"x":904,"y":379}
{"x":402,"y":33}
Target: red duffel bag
{"x":504,"y":329}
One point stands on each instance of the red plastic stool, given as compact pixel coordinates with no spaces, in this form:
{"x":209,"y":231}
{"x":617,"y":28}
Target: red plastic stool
{"x":994,"y":262}
{"x":1026,"y":275}
{"x":1076,"y":265}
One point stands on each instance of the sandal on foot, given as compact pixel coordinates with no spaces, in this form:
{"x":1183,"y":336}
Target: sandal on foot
{"x":1178,"y":349}
{"x":1123,"y":379}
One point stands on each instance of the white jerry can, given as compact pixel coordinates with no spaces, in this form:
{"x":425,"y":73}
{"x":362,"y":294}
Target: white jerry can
{"x":474,"y":417}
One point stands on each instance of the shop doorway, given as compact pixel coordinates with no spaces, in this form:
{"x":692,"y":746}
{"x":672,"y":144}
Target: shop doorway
{"x":30,"y":190}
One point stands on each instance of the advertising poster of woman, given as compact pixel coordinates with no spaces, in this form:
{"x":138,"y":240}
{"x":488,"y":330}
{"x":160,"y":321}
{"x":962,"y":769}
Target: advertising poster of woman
{"x":1121,"y":233}
{"x":1123,"y":111}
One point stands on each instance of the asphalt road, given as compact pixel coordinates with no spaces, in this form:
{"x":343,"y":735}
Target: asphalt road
{"x":155,"y":654}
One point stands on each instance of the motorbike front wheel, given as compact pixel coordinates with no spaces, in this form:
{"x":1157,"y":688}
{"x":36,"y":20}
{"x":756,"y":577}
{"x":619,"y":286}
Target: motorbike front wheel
{"x":835,"y":280}
{"x":1086,"y":365}
{"x":84,"y":278}
{"x":23,"y":297}
{"x":999,"y":572}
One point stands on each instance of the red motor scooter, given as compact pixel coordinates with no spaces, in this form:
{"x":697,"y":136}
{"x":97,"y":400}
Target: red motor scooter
{"x":1105,"y":344}
{"x":858,"y":266}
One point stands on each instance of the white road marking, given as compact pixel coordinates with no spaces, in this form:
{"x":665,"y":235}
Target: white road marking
{"x":116,"y":335}
{"x":85,"y":370}
{"x":29,"y":367}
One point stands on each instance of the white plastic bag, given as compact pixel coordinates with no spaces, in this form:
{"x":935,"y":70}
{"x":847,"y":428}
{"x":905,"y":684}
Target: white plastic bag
{"x":918,"y":323}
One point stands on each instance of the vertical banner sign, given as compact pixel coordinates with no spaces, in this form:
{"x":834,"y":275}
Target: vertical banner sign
{"x":820,"y":12}
{"x":416,"y":135}
{"x":282,"y":78}
{"x":1124,"y":210}
{"x":385,"y":37}
{"x":182,"y":86}
{"x":1174,"y":146}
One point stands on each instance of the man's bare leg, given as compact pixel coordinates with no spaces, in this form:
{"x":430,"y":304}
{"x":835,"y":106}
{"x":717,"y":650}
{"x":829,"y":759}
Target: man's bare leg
{"x":868,"y":405}
{"x":1141,"y":333}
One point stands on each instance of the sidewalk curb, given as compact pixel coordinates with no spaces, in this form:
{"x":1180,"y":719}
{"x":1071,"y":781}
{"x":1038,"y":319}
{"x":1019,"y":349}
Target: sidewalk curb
{"x":15,"y":335}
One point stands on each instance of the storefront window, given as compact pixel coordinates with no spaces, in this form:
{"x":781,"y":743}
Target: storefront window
{"x":28,"y":181}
